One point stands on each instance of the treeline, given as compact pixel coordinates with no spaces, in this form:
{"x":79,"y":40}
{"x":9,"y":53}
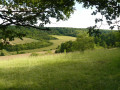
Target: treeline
{"x":108,"y":40}
{"x":82,"y":43}
{"x":66,"y":31}
{"x":32,"y":33}
{"x":26,"y":46}
{"x":46,"y":35}
{"x":71,"y":31}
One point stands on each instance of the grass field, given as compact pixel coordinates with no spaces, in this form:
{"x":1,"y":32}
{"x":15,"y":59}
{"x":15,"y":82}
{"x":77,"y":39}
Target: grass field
{"x":61,"y":39}
{"x":25,"y":40}
{"x":92,"y":70}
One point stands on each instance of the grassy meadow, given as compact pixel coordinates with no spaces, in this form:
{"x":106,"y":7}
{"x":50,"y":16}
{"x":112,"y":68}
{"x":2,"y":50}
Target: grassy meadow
{"x":58,"y":41}
{"x":25,"y":40}
{"x":92,"y":70}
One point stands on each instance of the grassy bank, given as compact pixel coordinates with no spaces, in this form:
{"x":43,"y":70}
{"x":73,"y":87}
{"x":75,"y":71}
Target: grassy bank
{"x":58,"y":41}
{"x":91,"y":70}
{"x":25,"y":40}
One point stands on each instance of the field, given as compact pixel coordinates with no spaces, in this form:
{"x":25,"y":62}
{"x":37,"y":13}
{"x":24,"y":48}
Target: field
{"x":92,"y":70}
{"x":58,"y":41}
{"x":25,"y":40}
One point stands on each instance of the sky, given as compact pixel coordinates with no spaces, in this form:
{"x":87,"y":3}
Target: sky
{"x":81,"y":18}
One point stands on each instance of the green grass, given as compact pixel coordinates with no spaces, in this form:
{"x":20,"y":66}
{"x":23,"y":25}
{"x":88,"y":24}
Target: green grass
{"x":92,"y":70}
{"x":25,"y":40}
{"x":61,"y":39}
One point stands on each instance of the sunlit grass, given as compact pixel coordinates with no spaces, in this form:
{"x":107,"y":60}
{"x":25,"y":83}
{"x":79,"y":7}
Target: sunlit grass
{"x":25,"y":40}
{"x":58,"y":41}
{"x":92,"y":70}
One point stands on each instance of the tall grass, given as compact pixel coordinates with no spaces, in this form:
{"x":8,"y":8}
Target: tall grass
{"x":91,"y":70}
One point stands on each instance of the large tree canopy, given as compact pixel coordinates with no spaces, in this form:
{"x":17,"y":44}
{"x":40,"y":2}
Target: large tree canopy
{"x":28,"y":12}
{"x":108,"y":8}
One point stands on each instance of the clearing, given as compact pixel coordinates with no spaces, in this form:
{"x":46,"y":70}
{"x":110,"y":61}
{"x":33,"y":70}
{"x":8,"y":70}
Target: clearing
{"x":92,"y":70}
{"x":25,"y":40}
{"x":58,"y":41}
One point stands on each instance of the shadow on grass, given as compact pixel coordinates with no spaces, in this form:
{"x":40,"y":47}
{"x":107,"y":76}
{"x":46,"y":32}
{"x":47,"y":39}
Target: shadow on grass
{"x":68,"y":75}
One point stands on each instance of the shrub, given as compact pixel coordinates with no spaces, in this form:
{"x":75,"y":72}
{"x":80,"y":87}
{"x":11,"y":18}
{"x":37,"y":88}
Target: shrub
{"x":65,"y":47}
{"x":34,"y":54}
{"x":27,"y":46}
{"x":82,"y":43}
{"x":117,"y":44}
{"x":4,"y":53}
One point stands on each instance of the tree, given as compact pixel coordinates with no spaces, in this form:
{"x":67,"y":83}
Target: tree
{"x":27,"y":13}
{"x":110,"y":9}
{"x":83,"y":42}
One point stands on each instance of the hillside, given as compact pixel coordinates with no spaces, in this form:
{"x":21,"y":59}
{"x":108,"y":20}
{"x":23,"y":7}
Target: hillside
{"x":25,"y":40}
{"x":91,"y":70}
{"x":55,"y":43}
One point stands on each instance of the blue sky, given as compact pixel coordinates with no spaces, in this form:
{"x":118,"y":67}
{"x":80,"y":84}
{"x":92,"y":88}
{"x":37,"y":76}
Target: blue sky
{"x":81,"y":18}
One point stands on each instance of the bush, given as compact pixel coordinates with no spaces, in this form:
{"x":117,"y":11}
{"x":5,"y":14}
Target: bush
{"x":117,"y":44}
{"x":21,"y":52}
{"x":4,"y":53}
{"x":34,"y":54}
{"x":27,"y":46}
{"x":65,"y":47}
{"x":82,"y":43}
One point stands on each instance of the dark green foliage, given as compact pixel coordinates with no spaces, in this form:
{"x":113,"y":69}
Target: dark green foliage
{"x":3,"y":52}
{"x":27,"y":46}
{"x":38,"y":35}
{"x":110,"y":9}
{"x":108,"y":40}
{"x":28,"y":32}
{"x":65,"y":47}
{"x":27,"y":12}
{"x":34,"y":54}
{"x":72,"y":31}
{"x":82,"y":43}
{"x":66,"y":31}
{"x":11,"y":32}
